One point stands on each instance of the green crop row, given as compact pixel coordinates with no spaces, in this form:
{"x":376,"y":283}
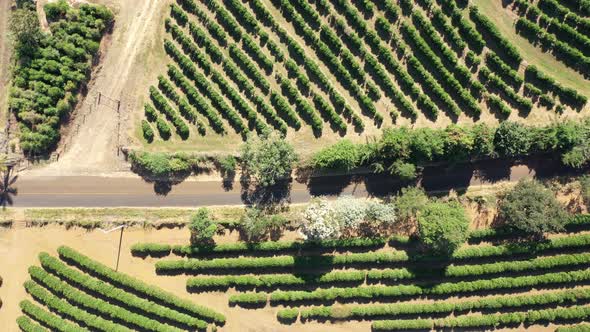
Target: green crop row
{"x":27,"y":325}
{"x":113,"y":293}
{"x":269,"y":246}
{"x":507,"y":48}
{"x":197,"y":265}
{"x":196,"y":99}
{"x":274,"y":280}
{"x":486,"y":321}
{"x":462,"y":287}
{"x":170,"y":113}
{"x":245,"y":299}
{"x":566,"y":95}
{"x":137,"y":286}
{"x":373,"y":311}
{"x":92,"y":304}
{"x":48,"y":319}
{"x":466,"y":29}
{"x":574,"y":328}
{"x":73,"y":313}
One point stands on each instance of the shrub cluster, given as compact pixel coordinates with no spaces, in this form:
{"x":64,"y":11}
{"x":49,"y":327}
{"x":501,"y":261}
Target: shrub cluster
{"x":137,"y":286}
{"x":302,"y":106}
{"x":469,"y":33}
{"x":27,"y":325}
{"x":498,"y":66}
{"x":171,"y":114}
{"x":49,"y":76}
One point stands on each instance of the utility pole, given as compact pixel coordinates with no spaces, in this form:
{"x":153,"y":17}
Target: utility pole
{"x":120,"y":242}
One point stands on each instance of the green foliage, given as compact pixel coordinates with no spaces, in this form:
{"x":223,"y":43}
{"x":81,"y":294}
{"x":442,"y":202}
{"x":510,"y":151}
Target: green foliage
{"x":25,"y":31}
{"x":585,"y":189}
{"x":409,"y":202}
{"x":268,"y":159}
{"x":137,"y":286}
{"x":227,"y":165}
{"x":533,"y":209}
{"x":442,"y":227}
{"x":202,"y":227}
{"x":513,"y":139}
{"x":147,"y":131}
{"x":162,"y":165}
{"x":256,"y":224}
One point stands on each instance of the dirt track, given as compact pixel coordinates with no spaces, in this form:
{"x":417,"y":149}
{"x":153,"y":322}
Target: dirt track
{"x":4,"y":58}
{"x":91,"y":139}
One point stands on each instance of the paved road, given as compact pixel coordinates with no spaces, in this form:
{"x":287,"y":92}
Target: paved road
{"x":95,"y":191}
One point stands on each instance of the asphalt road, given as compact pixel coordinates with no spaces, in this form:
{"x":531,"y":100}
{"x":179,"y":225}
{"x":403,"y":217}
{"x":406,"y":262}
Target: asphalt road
{"x":95,"y":191}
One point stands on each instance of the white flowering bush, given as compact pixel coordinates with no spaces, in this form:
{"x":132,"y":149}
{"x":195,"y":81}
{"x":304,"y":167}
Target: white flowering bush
{"x":350,"y":212}
{"x":325,"y":219}
{"x":381,"y":213}
{"x":319,"y":222}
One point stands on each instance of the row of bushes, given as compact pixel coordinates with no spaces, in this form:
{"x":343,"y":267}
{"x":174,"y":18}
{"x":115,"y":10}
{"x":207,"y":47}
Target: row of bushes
{"x":463,"y":287}
{"x":439,"y":20}
{"x":447,"y":79}
{"x":77,"y":315}
{"x":96,"y":305}
{"x":469,"y":33}
{"x":302,"y":106}
{"x":184,"y":107}
{"x":555,"y":9}
{"x":206,"y":87}
{"x":284,"y":110}
{"x":111,"y":292}
{"x":499,"y":67}
{"x":196,"y":265}
{"x":462,"y":254}
{"x":137,"y":286}
{"x":495,"y":82}
{"x":562,"y":50}
{"x":486,"y":321}
{"x":48,"y":319}
{"x":566,"y":95}
{"x":372,"y":311}
{"x":249,"y":67}
{"x":154,"y":249}
{"x":330,"y":59}
{"x":196,"y":99}
{"x":163,"y":107}
{"x":27,"y":325}
{"x":506,"y":48}
{"x":299,"y":55}
{"x":214,"y":29}
{"x":275,"y":280}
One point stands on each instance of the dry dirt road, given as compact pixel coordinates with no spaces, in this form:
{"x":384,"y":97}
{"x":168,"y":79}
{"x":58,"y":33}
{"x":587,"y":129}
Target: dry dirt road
{"x":90,"y":142}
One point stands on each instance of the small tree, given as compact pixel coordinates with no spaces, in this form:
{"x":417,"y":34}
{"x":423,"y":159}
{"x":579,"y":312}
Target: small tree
{"x":442,"y":227}
{"x":25,"y":31}
{"x":319,"y":222}
{"x":409,"y":202}
{"x":256,"y":225}
{"x":533,"y":209}
{"x":512,"y":139}
{"x":202,"y":227}
{"x":268,"y":158}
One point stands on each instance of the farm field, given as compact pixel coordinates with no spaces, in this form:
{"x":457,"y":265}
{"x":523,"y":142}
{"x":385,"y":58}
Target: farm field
{"x":318,"y":71}
{"x":339,"y":282}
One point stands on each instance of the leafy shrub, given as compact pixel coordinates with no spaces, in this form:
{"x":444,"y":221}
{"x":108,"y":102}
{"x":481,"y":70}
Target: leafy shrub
{"x":268,"y":159}
{"x":147,"y":131}
{"x":533,"y":209}
{"x":202,"y":228}
{"x":442,"y":227}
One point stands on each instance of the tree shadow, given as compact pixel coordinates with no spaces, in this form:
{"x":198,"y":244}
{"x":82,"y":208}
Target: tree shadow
{"x":329,"y":185}
{"x":268,"y":198}
{"x":7,"y":189}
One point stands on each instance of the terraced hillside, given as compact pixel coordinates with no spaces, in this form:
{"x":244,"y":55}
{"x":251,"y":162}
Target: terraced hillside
{"x":79,"y":294}
{"x":332,"y":68}
{"x":520,"y":285}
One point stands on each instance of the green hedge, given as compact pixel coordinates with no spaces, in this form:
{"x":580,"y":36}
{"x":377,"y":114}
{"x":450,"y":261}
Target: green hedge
{"x":137,"y":286}
{"x":27,"y":325}
{"x":115,"y":294}
{"x":487,"y":321}
{"x":248,"y":299}
{"x":373,"y":311}
{"x":93,"y":304}
{"x":196,"y":265}
{"x":574,"y":328}
{"x":49,"y":319}
{"x":244,"y":247}
{"x":448,"y":288}
{"x":71,"y":312}
{"x":275,"y":280}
